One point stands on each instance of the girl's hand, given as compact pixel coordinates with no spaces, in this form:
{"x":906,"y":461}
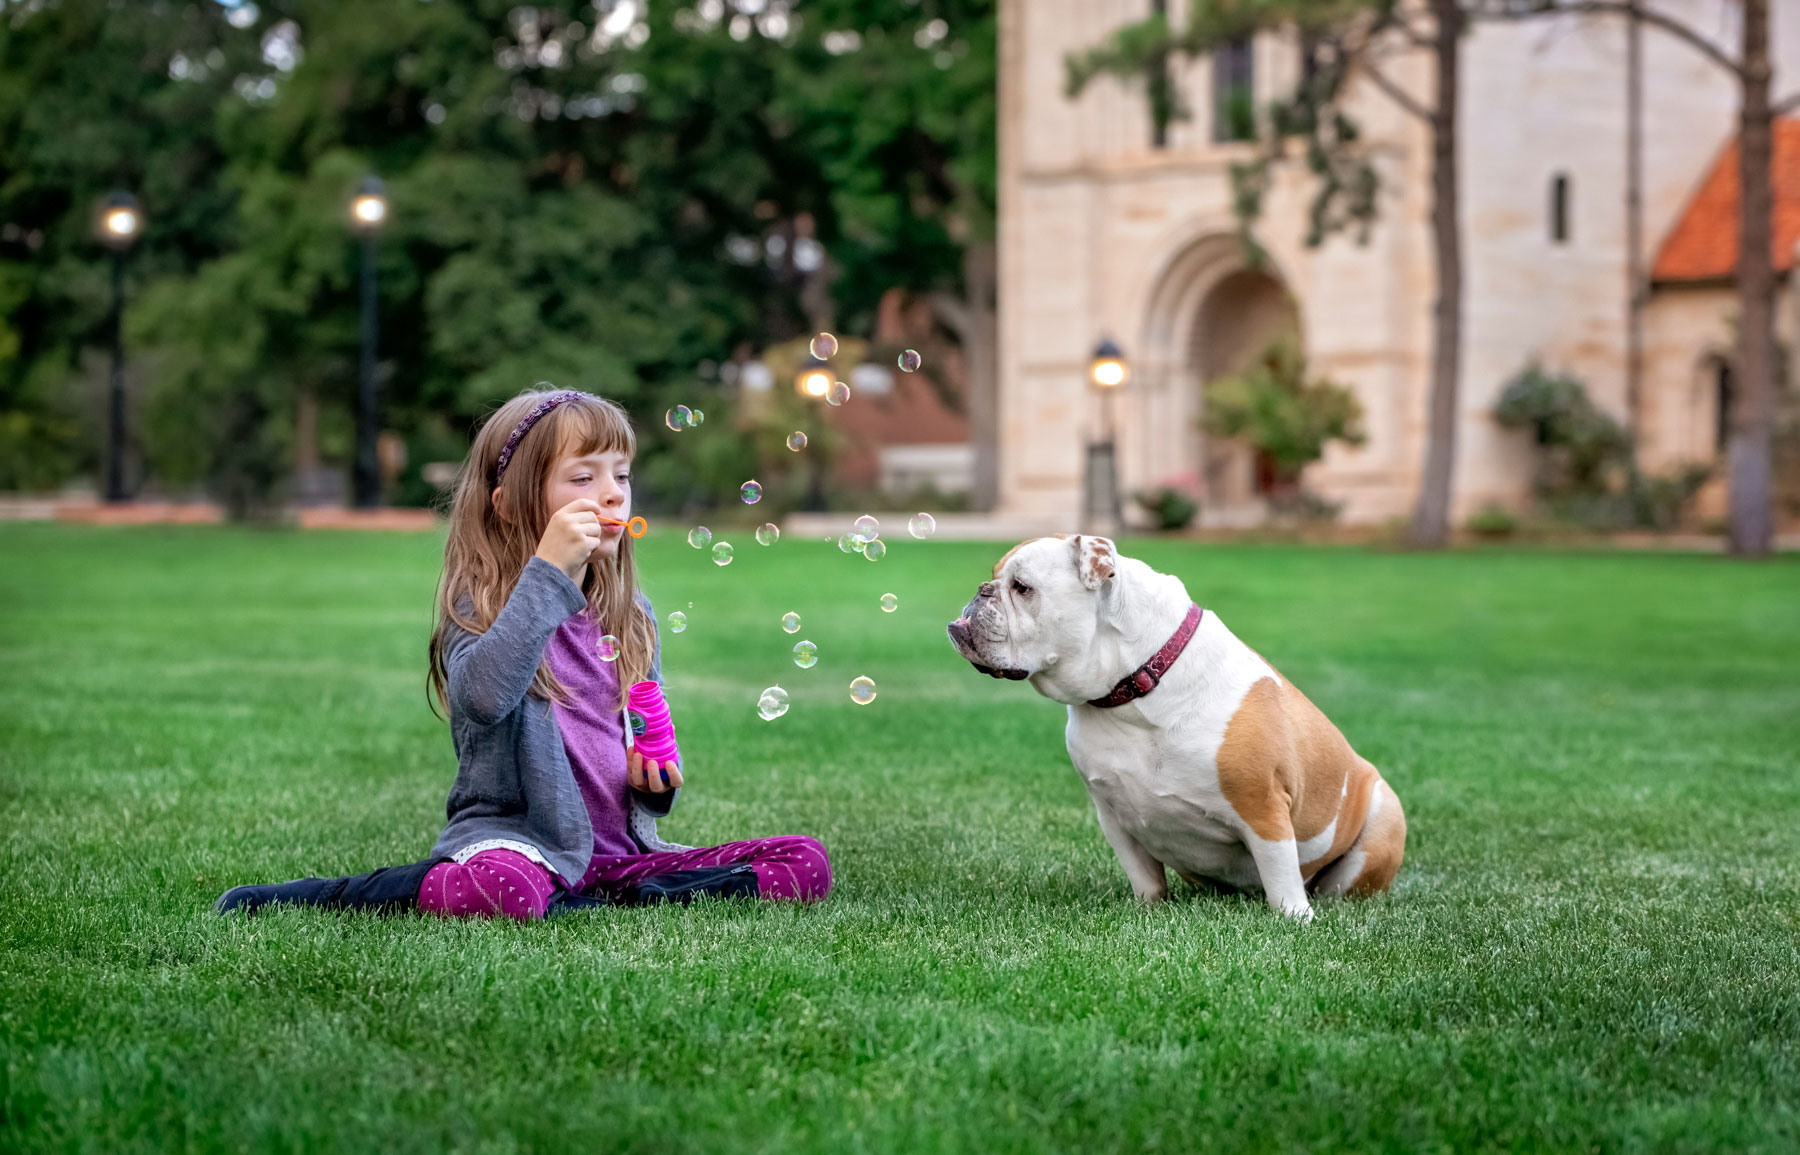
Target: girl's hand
{"x":647,"y":773}
{"x":572,"y":536}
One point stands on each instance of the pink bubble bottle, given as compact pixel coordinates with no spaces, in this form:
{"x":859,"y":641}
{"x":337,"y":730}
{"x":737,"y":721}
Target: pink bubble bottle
{"x":645,"y":699}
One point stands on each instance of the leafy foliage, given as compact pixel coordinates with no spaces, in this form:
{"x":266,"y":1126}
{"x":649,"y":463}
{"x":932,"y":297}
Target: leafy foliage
{"x":1585,"y":470}
{"x":609,"y":196}
{"x":1273,"y":406}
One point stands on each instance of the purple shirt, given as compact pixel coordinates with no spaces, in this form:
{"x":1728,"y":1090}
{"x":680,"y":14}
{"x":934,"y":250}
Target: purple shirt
{"x":593,"y":733}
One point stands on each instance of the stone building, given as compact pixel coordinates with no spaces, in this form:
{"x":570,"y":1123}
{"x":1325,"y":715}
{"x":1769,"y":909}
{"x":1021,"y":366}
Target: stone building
{"x":1105,"y":232}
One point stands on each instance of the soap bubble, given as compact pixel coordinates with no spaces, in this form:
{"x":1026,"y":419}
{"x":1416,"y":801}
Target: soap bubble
{"x":767,"y":534}
{"x":699,"y":537}
{"x":609,"y":648}
{"x":751,"y":491}
{"x":678,"y":417}
{"x":922,"y":526}
{"x":875,"y":550}
{"x":696,"y":419}
{"x":824,"y":346}
{"x":862,"y":691}
{"x":796,"y":441}
{"x":839,"y":394}
{"x":889,"y":603}
{"x":847,"y":542}
{"x":773,"y":703}
{"x":868,"y":527}
{"x":722,"y":553}
{"x":790,"y":622}
{"x":677,"y":622}
{"x":910,"y":360}
{"x":806,"y":655}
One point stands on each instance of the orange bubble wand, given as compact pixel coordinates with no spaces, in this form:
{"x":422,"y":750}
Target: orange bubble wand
{"x":636,"y":527}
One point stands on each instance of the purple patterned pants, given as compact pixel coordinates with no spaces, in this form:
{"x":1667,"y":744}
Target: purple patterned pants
{"x":504,"y":882}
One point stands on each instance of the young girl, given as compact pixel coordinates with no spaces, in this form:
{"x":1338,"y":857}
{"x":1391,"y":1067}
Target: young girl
{"x":549,"y":806}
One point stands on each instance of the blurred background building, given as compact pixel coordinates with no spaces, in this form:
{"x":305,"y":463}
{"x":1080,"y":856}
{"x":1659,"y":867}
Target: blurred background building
{"x":1108,"y":227}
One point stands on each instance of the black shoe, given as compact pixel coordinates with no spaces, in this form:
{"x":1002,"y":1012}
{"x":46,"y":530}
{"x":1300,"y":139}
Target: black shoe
{"x":390,"y":890}
{"x":683,"y":886}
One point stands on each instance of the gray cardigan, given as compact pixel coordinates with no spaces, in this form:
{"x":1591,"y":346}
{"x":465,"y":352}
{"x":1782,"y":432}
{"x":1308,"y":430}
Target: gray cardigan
{"x":513,"y":779}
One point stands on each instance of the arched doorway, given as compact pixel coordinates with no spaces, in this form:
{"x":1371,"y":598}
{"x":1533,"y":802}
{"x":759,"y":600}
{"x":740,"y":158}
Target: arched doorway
{"x":1235,"y":321}
{"x":1209,"y":312}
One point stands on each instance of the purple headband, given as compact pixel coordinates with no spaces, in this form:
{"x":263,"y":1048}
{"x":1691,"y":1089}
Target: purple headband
{"x":530,"y":419}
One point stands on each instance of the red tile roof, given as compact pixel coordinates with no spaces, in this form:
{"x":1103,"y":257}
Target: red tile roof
{"x":1703,"y":245}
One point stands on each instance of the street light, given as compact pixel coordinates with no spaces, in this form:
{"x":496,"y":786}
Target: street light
{"x":814,"y":382}
{"x":814,"y":379}
{"x":1108,"y":371}
{"x":369,"y":212}
{"x":121,"y":220}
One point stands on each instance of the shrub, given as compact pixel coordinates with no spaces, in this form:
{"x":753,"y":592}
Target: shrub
{"x":1586,"y":472}
{"x":1171,"y":507}
{"x":1274,"y":407}
{"x":1493,"y":521}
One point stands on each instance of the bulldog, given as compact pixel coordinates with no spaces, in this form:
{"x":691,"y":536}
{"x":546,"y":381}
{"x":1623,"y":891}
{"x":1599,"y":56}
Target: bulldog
{"x":1198,"y":754}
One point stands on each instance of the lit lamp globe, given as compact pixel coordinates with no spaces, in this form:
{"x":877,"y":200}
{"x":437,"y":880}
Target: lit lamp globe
{"x":814,"y":379}
{"x":121,"y":220}
{"x":1109,"y":369}
{"x":369,"y":209}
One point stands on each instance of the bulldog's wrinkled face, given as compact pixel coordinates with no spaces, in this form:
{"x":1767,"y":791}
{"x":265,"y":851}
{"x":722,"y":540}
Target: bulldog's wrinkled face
{"x":1041,"y":606}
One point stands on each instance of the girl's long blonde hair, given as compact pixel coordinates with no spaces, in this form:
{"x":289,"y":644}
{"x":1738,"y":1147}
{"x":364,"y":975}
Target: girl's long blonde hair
{"x":488,"y":550}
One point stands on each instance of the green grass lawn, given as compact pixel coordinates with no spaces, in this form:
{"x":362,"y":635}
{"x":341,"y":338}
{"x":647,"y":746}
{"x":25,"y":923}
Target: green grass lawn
{"x":1593,"y":943}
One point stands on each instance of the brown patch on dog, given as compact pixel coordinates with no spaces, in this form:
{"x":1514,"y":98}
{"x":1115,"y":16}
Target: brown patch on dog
{"x":1001,"y":564}
{"x":1254,"y":762}
{"x":1283,"y":767}
{"x":1096,"y":560}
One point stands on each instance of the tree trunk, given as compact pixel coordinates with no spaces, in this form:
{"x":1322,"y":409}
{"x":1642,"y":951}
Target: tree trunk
{"x":1752,"y":513}
{"x":1635,"y":285}
{"x":982,"y":360}
{"x":1431,"y":517}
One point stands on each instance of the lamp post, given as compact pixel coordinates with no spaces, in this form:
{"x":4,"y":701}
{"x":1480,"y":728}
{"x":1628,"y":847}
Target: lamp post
{"x":369,"y":211}
{"x":814,"y":379}
{"x":121,"y":220}
{"x":814,"y":382}
{"x":1108,"y":372}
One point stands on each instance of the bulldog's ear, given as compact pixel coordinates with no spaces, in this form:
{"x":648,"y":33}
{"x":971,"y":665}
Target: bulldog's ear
{"x":1095,"y":560}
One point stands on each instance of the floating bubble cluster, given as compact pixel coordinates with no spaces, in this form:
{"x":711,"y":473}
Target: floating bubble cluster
{"x":768,"y":533}
{"x":722,"y":553}
{"x":751,"y":491}
{"x":796,"y":441}
{"x":609,"y":648}
{"x":875,"y":550}
{"x":889,"y":603}
{"x":838,"y":394}
{"x":790,"y":622}
{"x":824,"y":346}
{"x":850,"y":542}
{"x":773,"y":703}
{"x":696,"y":419}
{"x":922,"y":526}
{"x":867,"y":527}
{"x":862,"y":691}
{"x":806,"y":655}
{"x":678,"y":622}
{"x":910,"y":361}
{"x":699,"y":537}
{"x":678,"y":418}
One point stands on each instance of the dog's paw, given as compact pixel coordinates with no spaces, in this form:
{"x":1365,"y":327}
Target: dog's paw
{"x":1300,"y":912}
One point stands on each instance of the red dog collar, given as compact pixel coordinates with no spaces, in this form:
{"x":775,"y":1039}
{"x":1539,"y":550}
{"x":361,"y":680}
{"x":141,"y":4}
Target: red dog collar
{"x":1150,"y":675}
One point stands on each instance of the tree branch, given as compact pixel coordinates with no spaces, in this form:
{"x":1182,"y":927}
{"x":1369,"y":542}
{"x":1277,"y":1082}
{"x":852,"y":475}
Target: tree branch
{"x":953,"y":313}
{"x":1649,"y":16}
{"x":1395,"y":93}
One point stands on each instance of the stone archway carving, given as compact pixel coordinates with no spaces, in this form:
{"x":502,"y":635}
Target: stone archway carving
{"x":1207,"y":279}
